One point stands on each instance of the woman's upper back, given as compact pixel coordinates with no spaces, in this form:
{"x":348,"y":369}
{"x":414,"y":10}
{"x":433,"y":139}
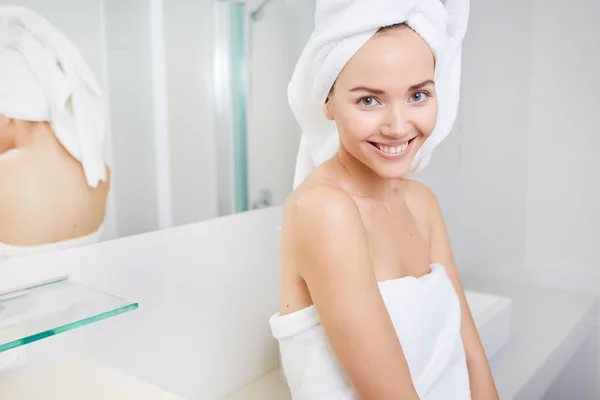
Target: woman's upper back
{"x":44,"y":197}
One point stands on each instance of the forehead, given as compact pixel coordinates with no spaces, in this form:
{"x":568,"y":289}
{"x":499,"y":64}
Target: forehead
{"x":396,"y":58}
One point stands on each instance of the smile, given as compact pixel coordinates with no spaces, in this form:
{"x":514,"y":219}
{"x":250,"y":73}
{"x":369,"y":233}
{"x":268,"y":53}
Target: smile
{"x":392,"y":152}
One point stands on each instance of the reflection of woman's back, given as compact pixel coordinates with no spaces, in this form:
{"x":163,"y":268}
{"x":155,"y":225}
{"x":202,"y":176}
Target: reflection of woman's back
{"x":44,"y":196}
{"x":55,"y":181}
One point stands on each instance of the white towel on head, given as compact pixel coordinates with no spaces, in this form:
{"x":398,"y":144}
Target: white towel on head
{"x":43,"y":77}
{"x":342,"y":27}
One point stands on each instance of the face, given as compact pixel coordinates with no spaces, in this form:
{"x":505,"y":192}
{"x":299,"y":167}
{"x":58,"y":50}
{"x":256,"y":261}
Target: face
{"x":384,"y":102}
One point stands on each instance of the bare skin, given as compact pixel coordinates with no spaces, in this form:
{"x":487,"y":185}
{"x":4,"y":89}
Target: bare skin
{"x":356,"y":220}
{"x":44,"y":196}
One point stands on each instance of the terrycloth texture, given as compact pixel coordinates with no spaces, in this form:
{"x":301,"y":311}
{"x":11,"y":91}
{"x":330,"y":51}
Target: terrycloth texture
{"x":342,"y":27}
{"x":43,"y":77}
{"x":426,"y":314}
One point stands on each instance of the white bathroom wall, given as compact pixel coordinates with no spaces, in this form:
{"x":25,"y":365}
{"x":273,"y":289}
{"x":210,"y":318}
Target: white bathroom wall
{"x":529,"y":193}
{"x":162,"y":114}
{"x":128,"y":51}
{"x":205,"y":291}
{"x":301,"y":15}
{"x":82,"y":22}
{"x":442,"y":175}
{"x":188,"y":42}
{"x":490,"y":236}
{"x":563,"y":201}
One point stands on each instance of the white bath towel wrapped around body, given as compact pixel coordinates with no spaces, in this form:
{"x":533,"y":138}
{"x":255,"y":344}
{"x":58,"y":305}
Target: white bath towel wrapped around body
{"x":425,"y":312}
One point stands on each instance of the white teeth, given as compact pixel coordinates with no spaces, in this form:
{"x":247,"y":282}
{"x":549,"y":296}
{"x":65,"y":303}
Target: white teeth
{"x":393,"y":150}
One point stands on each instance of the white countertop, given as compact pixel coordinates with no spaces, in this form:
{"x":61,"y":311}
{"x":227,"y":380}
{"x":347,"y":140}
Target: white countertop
{"x":75,"y":377}
{"x":548,"y":326}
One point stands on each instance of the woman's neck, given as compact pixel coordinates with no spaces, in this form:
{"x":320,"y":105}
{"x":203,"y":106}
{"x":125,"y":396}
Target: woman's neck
{"x":363,"y":179}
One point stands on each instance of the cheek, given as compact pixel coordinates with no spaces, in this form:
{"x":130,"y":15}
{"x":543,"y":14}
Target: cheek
{"x":427,"y":119}
{"x":355,"y":124}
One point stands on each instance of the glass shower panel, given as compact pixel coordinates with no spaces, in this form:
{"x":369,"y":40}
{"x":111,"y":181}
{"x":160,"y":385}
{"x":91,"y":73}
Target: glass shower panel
{"x":238,"y":70}
{"x":257,"y":45}
{"x":276,"y":32}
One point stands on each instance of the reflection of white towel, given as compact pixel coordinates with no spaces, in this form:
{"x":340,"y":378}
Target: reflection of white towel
{"x":342,"y":27}
{"x":426,"y":314}
{"x":43,"y":77}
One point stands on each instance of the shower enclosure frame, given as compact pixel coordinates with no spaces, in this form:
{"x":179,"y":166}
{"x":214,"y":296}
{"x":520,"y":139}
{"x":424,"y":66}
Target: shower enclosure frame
{"x":231,"y":63}
{"x":230,"y":90}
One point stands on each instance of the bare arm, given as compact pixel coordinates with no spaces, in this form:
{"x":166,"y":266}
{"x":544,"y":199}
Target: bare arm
{"x":330,"y":244}
{"x":480,"y":376}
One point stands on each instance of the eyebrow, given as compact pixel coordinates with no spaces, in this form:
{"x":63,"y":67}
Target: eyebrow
{"x":420,"y":85}
{"x":380,"y":92}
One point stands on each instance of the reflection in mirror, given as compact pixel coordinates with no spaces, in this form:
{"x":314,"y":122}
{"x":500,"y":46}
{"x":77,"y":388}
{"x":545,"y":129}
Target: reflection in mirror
{"x":277,"y":33}
{"x":257,"y":44}
{"x":55,"y":180}
{"x":142,"y":115}
{"x":182,"y":116}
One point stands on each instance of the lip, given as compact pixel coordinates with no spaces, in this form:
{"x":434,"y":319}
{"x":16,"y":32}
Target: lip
{"x":396,"y":156}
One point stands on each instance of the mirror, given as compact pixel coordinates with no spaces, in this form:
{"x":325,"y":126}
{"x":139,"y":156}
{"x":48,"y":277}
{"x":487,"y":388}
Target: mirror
{"x":198,"y":121}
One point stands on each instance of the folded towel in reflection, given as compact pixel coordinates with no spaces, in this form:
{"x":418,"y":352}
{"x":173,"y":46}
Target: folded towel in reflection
{"x":342,"y":27}
{"x":43,"y":77}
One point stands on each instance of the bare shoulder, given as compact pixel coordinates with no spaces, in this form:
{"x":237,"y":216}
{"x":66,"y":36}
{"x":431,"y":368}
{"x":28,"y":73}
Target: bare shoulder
{"x":322,"y":202}
{"x":421,"y":199}
{"x":317,"y":215}
{"x":420,"y":192}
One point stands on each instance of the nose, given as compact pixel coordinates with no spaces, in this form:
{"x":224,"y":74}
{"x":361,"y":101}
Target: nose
{"x":395,"y":122}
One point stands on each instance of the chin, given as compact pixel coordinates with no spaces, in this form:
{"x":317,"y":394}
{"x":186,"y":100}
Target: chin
{"x":390,"y":164}
{"x":391,"y":169}
{"x":393,"y":172}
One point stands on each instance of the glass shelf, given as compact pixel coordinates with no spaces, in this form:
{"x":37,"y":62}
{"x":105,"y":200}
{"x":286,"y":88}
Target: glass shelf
{"x":47,"y":310}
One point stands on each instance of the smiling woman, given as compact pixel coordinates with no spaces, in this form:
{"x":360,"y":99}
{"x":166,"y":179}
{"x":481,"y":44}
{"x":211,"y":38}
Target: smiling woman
{"x":371,"y":305}
{"x":394,"y":116}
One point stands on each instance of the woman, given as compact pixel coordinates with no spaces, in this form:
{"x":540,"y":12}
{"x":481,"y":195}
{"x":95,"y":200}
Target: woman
{"x":55,"y":182}
{"x":371,"y":304}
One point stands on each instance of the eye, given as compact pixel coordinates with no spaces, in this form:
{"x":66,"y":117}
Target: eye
{"x":368,"y":101}
{"x":420,"y":97}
